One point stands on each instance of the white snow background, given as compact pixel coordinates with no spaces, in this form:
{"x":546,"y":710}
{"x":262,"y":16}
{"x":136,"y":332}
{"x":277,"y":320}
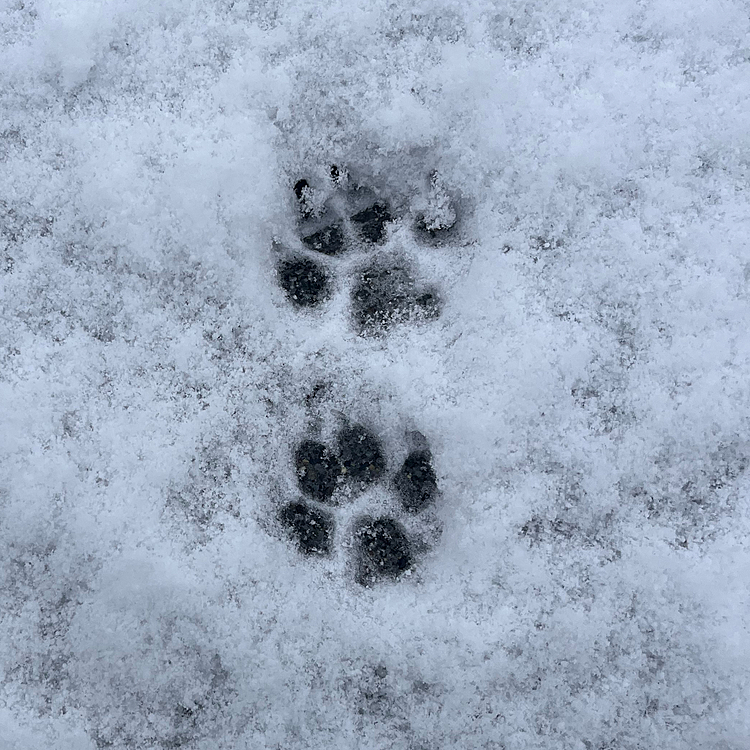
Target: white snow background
{"x":586,"y":390}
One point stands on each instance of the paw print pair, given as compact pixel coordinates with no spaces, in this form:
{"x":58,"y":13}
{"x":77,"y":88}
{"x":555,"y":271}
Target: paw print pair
{"x":331,"y":476}
{"x":348,"y":228}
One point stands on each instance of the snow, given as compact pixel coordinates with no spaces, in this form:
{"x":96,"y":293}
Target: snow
{"x":584,"y":391}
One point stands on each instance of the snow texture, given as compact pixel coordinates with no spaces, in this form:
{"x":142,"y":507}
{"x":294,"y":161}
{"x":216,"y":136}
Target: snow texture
{"x":573,"y":182}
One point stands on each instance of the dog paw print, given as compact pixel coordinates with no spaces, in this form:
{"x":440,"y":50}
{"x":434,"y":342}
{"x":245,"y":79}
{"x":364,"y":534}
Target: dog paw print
{"x":331,"y":477}
{"x":346,"y":229}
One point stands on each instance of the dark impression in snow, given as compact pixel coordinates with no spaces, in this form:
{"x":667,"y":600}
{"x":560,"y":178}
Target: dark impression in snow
{"x":339,"y":219}
{"x":330,"y":475}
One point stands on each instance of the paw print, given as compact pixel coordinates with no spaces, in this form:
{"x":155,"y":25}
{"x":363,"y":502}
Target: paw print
{"x":349,"y":228}
{"x":331,"y":477}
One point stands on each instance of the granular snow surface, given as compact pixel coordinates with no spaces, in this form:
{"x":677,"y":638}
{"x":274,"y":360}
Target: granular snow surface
{"x":474,"y":475}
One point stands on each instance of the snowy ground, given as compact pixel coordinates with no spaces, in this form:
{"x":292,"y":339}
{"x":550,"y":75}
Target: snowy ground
{"x":585,"y":390}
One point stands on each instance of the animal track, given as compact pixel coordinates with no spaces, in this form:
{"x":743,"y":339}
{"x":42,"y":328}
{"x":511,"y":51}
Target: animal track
{"x":350,"y":229}
{"x":416,"y":482}
{"x":306,"y":283}
{"x":437,"y":222}
{"x":372,"y":222}
{"x":327,"y":477}
{"x":351,"y":226}
{"x":384,"y":550}
{"x":387,"y":294}
{"x":362,"y":459}
{"x":311,"y":528}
